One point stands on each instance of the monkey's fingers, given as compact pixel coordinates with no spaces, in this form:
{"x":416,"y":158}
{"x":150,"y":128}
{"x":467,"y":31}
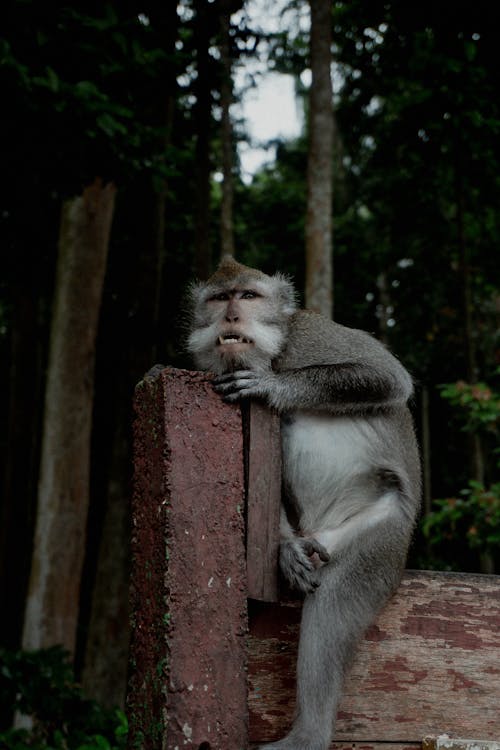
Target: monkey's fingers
{"x":324,"y":556}
{"x":228,"y":377}
{"x":234,"y":390}
{"x":231,"y":398}
{"x":312,"y":546}
{"x":237,"y":387}
{"x":297,"y":568}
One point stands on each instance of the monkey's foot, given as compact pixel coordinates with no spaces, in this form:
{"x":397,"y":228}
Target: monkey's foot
{"x":297,"y":565}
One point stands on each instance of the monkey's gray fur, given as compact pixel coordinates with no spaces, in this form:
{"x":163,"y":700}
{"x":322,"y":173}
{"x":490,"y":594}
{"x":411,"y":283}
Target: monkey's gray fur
{"x":350,"y":465}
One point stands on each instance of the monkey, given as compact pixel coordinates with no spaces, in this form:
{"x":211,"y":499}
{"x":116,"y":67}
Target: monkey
{"x":351,"y":467}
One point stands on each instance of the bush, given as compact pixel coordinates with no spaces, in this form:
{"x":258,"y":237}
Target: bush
{"x":473,"y":516}
{"x":41,"y":685}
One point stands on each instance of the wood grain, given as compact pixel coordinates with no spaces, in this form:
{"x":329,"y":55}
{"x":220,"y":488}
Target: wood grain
{"x":263,"y":502}
{"x":430,"y":665}
{"x":446,"y":743}
{"x":372,"y":746}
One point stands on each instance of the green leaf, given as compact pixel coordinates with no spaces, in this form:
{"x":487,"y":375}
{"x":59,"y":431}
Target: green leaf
{"x":53,"y":80}
{"x":470,"y":51}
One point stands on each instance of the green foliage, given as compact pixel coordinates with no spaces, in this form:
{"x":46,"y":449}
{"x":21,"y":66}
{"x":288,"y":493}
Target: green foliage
{"x":80,"y":83}
{"x":474,"y":516}
{"x":479,"y":404}
{"x":41,"y":685}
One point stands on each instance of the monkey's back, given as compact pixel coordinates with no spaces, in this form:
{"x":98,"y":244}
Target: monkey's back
{"x":333,"y":461}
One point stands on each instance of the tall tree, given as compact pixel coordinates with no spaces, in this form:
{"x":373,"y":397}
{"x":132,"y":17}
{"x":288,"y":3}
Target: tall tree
{"x":202,"y":113}
{"x":63,"y":497}
{"x":21,"y":457}
{"x":104,"y":673}
{"x":319,"y":261}
{"x":226,"y":91}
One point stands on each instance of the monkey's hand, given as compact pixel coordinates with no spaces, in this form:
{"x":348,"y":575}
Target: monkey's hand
{"x":234,"y":386}
{"x":297,"y":562}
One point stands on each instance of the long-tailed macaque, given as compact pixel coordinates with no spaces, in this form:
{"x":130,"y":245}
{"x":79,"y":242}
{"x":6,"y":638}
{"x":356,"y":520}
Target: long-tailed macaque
{"x":350,"y":465}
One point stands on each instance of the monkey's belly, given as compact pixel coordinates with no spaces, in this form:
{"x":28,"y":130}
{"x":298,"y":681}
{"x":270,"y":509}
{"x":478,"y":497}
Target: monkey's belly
{"x":328,"y":467}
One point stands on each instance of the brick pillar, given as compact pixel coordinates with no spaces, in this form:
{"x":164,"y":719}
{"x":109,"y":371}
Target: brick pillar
{"x":188,"y":680}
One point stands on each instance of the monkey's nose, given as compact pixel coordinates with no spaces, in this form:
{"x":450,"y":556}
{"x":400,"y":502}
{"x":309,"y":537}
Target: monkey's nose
{"x":232,"y":316}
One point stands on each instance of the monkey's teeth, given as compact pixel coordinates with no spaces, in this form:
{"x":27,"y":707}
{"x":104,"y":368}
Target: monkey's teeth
{"x":233,"y":340}
{"x":228,"y":340}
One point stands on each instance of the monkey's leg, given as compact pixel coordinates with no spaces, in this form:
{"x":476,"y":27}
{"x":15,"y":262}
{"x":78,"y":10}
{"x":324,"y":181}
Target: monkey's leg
{"x":353,"y":589}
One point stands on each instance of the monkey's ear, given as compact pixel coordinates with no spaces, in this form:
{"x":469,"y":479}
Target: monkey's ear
{"x":193,"y":299}
{"x":285,"y":291}
{"x":193,"y":292}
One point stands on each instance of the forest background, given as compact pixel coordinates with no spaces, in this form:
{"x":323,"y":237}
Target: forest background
{"x":129,"y":104}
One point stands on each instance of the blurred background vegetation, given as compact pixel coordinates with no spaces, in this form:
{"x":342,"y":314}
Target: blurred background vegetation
{"x":136,"y":93}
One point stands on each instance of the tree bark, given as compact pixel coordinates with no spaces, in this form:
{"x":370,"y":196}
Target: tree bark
{"x":226,"y":217}
{"x":105,"y":650}
{"x":475,"y":441}
{"x":384,"y":302}
{"x":104,"y":676}
{"x":166,"y":20}
{"x":21,"y":460}
{"x":477,"y":451}
{"x":202,"y":254}
{"x":319,"y":264}
{"x":426,"y":451}
{"x":63,"y":494}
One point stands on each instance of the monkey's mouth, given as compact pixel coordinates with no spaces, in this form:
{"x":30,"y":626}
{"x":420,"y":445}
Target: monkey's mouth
{"x":232,"y":339}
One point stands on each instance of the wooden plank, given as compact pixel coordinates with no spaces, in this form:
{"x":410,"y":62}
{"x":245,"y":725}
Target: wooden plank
{"x":429,"y":665}
{"x":263,"y":502}
{"x":366,"y":746}
{"x":447,"y":743}
{"x":188,"y":656}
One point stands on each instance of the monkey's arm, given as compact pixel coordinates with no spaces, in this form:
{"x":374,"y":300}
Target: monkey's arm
{"x":344,"y":388}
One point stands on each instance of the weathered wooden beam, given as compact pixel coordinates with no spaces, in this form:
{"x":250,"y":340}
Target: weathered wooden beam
{"x":447,"y":743}
{"x":188,"y":679}
{"x":430,"y":665}
{"x":364,"y":745}
{"x":263,"y":469}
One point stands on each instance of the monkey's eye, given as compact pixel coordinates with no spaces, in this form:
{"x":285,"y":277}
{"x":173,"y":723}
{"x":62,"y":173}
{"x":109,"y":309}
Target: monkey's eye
{"x":220,"y":297}
{"x":249,"y":294}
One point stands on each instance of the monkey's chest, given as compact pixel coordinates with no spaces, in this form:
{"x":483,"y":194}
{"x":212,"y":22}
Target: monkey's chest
{"x":326,"y":464}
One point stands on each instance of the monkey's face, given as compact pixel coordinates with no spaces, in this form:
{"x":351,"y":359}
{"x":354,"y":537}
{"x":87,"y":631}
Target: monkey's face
{"x":235,"y":312}
{"x":237,"y":325}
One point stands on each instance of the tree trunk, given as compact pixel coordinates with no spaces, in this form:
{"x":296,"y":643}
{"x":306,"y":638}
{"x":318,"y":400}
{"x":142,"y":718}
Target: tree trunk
{"x":104,"y":647}
{"x":63,"y":494}
{"x":226,"y":217}
{"x":202,"y":257}
{"x":468,"y":305}
{"x":21,"y":461}
{"x":475,"y":441}
{"x":319,"y":264}
{"x":384,"y":302}
{"x":104,"y":675}
{"x":426,"y":451}
{"x":477,"y":450}
{"x":166,"y":19}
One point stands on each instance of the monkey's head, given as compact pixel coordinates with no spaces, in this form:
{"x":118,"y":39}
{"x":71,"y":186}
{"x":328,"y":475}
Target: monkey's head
{"x":239,"y":318}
